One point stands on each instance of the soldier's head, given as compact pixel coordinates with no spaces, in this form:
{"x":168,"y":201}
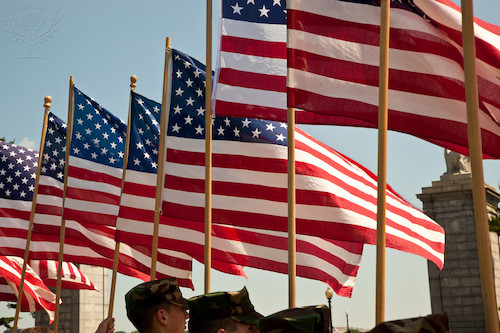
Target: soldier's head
{"x":157,"y":306}
{"x":222,"y":312}
{"x":309,"y":319}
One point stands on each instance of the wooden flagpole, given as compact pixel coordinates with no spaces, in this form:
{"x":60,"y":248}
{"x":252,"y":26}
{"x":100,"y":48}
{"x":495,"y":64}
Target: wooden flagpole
{"x":292,"y":244}
{"x":161,"y":157}
{"x":208,"y":149}
{"x":133,"y":80}
{"x":382,"y":158}
{"x":291,"y":199}
{"x":476,"y":154}
{"x":46,"y":105}
{"x":63,"y":221}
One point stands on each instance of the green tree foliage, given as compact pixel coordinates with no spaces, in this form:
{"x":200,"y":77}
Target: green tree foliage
{"x":494,"y":222}
{"x":5,"y":321}
{"x":3,"y":139}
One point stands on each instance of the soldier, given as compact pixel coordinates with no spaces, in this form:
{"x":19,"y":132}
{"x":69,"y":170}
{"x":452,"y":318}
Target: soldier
{"x":157,"y":306}
{"x":308,"y":319}
{"x":222,"y":312}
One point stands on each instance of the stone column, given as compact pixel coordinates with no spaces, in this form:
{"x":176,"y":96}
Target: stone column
{"x":82,"y":310}
{"x":457,"y":288}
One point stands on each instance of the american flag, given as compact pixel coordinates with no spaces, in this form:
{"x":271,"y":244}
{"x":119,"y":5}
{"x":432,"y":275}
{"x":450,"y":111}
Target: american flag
{"x":36,"y":295}
{"x":336,"y":197}
{"x":251,"y":63}
{"x":333,"y":60}
{"x":248,"y":246}
{"x":84,"y":243}
{"x":95,"y":163}
{"x":71,"y":278}
{"x":136,"y":215}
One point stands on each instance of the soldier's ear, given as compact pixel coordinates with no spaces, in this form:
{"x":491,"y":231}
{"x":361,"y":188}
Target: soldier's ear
{"x":161,"y":315}
{"x":221,"y":330}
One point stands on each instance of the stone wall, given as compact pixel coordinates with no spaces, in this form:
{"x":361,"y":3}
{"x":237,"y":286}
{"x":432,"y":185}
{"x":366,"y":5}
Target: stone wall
{"x":82,"y":310}
{"x":457,"y":288}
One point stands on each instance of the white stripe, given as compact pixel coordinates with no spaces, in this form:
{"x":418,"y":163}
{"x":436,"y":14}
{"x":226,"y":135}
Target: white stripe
{"x":250,"y":30}
{"x":337,"y":49}
{"x":93,"y":186}
{"x":95,"y":167}
{"x":143,"y":178}
{"x":416,"y":104}
{"x":49,"y":200}
{"x":251,"y":96}
{"x":136,"y":201}
{"x":15,"y":204}
{"x":254,"y":64}
{"x":91,"y":207}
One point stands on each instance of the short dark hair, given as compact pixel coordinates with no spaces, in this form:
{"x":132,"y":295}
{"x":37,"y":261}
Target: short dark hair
{"x":211,"y":326}
{"x":142,"y":319}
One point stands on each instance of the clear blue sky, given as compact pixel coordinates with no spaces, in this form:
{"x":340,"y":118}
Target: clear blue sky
{"x":102,"y":43}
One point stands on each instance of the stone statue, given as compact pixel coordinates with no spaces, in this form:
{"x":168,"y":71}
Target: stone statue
{"x":456,"y":163}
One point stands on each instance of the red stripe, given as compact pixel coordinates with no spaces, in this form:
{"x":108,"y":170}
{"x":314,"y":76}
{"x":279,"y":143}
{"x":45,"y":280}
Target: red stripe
{"x":368,"y":34}
{"x":136,"y":214}
{"x":139,"y":190}
{"x":14,"y":213}
{"x":92,"y":196}
{"x":259,"y":81}
{"x":98,"y":177}
{"x":50,"y":190}
{"x":48,"y":210}
{"x":400,"y":80}
{"x":89,"y":217}
{"x":253,"y":47}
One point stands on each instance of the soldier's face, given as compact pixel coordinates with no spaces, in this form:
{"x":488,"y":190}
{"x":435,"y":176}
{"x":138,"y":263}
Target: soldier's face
{"x":177,"y":317}
{"x":245,"y":328}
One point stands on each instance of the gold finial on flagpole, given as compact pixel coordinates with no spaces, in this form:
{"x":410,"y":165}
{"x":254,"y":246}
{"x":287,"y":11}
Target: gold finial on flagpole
{"x":48,"y":101}
{"x":133,"y":80}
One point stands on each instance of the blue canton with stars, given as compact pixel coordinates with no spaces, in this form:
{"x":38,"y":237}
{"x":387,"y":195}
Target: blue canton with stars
{"x":54,"y":148}
{"x":17,"y":172}
{"x":144,"y":134}
{"x":98,"y":135}
{"x":187,"y":110}
{"x":257,"y":11}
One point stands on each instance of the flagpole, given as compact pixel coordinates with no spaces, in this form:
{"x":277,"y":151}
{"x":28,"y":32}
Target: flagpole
{"x":208,"y":149}
{"x":63,"y":221}
{"x":292,"y":244}
{"x":46,"y":105}
{"x":382,"y":158}
{"x":133,"y":80}
{"x":476,"y":154}
{"x":161,"y":158}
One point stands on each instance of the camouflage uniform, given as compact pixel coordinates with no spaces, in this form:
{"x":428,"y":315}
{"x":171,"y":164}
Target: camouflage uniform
{"x":154,"y":293}
{"x":309,"y":319}
{"x":435,"y":323}
{"x":219,"y":305}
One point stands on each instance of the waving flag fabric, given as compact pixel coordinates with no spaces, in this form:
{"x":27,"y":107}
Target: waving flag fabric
{"x":95,"y":163}
{"x":71,"y":277}
{"x":334,"y":64}
{"x":97,"y":240}
{"x":335,"y":263}
{"x":333,"y":61}
{"x":136,"y":215}
{"x":336,"y":197}
{"x":36,"y":296}
{"x":251,"y":64}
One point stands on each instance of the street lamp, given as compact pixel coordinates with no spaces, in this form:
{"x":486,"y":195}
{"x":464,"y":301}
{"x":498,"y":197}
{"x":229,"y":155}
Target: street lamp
{"x":347,"y":319}
{"x":329,"y":295}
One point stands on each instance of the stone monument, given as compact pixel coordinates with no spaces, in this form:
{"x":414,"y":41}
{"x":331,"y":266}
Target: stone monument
{"x":457,"y":288}
{"x":82,"y":310}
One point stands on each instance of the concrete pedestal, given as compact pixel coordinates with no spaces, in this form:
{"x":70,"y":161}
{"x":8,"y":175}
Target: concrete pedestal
{"x":82,"y":310}
{"x":457,"y":288}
